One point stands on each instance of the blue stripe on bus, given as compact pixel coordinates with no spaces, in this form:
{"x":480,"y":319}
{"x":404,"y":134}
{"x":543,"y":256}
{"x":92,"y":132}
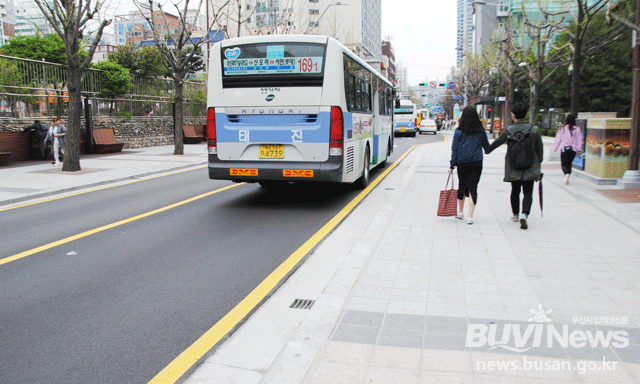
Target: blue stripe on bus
{"x":272,"y":129}
{"x":408,"y":124}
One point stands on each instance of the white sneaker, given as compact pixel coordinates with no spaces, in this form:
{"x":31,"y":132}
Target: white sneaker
{"x":566,"y":179}
{"x":515,"y":218}
{"x":469,"y":220}
{"x":460,"y":216}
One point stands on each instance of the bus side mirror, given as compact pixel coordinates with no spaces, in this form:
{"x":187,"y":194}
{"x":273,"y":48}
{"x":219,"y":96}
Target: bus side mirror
{"x":397,"y":103}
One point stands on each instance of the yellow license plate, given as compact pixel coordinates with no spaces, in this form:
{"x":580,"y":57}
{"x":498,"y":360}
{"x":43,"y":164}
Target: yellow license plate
{"x":297,"y":172}
{"x":403,"y":130}
{"x":243,"y":172}
{"x":271,"y":152}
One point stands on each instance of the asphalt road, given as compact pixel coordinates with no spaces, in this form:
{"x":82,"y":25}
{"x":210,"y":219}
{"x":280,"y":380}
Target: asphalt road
{"x":118,"y":305}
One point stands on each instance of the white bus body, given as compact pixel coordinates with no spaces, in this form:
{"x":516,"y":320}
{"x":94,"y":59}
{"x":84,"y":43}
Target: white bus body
{"x":295,"y":108}
{"x":404,"y":118}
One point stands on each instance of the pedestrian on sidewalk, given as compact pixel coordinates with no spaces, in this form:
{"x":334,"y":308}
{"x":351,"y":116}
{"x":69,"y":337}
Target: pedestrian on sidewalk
{"x":40,"y":132}
{"x":521,"y":179}
{"x":466,"y":154}
{"x":569,"y":139}
{"x":56,"y":134}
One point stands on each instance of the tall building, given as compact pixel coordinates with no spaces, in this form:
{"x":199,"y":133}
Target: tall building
{"x":464,"y":37}
{"x":135,"y":29}
{"x":29,"y":20}
{"x":357,"y":24}
{"x":389,"y":59}
{"x":485,"y":22}
{"x":489,"y":18}
{"x":7,"y":21}
{"x":402,"y":77}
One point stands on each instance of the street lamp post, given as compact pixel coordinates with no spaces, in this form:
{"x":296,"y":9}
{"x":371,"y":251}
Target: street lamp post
{"x":323,"y":12}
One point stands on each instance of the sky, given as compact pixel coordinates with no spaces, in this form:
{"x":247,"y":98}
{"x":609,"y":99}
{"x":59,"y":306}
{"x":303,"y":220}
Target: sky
{"x":423,"y":33}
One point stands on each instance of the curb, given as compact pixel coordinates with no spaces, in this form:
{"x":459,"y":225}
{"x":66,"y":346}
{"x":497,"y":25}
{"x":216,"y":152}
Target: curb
{"x":96,"y":184}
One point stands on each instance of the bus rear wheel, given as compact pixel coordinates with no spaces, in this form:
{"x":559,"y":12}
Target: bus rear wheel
{"x":363,"y":181}
{"x":386,"y":160}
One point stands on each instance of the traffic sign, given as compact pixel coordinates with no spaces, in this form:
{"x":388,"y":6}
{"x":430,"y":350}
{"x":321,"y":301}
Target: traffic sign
{"x":433,"y":84}
{"x":452,"y":84}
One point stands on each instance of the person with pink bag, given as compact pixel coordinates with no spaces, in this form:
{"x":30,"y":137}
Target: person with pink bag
{"x":469,"y":139}
{"x":569,"y":138}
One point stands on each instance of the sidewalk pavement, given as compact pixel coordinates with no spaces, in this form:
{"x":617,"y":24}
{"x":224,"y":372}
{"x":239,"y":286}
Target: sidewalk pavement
{"x":26,"y":180}
{"x":396,"y":289}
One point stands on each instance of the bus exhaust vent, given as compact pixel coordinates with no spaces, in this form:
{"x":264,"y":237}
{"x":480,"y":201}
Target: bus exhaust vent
{"x":349,"y":164}
{"x":312,"y":118}
{"x":302,"y":304}
{"x":233,"y":118}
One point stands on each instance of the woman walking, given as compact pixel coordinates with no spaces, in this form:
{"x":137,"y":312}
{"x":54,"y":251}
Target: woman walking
{"x":569,"y":138}
{"x":466,"y":154}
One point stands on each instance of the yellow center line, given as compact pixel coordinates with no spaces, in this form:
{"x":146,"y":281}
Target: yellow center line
{"x":109,"y":226}
{"x":101,"y":188}
{"x":172,"y":372}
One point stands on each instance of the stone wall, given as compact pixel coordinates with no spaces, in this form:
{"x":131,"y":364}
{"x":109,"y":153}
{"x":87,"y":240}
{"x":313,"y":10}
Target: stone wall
{"x":136,"y":132}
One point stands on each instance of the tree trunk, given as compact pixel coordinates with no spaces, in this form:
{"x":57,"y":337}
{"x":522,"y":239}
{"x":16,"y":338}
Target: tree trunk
{"x":177,"y":122}
{"x":71,"y":161}
{"x":577,"y":63}
{"x":575,"y":82}
{"x":508,"y":103}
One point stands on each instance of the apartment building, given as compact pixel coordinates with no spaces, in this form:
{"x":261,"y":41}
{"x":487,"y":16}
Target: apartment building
{"x":357,"y":24}
{"x":7,"y":21}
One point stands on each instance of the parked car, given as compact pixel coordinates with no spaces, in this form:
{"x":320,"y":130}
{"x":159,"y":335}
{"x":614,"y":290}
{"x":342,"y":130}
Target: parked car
{"x":428,"y":125}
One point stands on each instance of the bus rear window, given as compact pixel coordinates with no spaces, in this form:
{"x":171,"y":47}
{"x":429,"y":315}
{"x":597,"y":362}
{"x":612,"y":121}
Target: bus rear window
{"x":273,"y":65}
{"x":403,"y":111}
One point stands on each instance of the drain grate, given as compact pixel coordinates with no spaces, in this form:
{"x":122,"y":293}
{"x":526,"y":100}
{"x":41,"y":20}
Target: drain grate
{"x":302,"y":304}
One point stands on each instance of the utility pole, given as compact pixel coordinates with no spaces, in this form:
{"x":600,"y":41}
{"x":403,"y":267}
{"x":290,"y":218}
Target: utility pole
{"x":635,"y":103}
{"x":631,"y":177}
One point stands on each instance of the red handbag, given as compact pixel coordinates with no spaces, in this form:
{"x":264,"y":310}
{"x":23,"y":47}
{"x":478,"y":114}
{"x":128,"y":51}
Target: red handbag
{"x":447,"y":206}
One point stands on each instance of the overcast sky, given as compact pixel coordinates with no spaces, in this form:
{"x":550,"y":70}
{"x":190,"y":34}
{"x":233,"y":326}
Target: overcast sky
{"x":423,"y":33}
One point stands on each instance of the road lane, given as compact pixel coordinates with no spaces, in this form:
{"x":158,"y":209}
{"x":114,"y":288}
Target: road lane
{"x":121,"y":304}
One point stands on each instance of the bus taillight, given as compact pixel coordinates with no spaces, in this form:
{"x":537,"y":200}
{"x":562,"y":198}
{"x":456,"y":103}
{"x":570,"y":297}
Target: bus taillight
{"x":336,"y":136}
{"x":211,"y":131}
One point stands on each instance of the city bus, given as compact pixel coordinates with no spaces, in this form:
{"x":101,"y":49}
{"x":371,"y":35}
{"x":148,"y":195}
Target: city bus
{"x":295,"y":108}
{"x":405,"y":118}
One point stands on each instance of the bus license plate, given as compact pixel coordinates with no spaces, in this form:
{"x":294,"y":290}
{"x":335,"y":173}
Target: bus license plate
{"x":403,"y":130}
{"x":271,"y":152}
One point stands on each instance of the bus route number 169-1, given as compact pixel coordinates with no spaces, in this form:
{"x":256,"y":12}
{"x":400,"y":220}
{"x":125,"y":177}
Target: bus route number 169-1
{"x":308,"y":65}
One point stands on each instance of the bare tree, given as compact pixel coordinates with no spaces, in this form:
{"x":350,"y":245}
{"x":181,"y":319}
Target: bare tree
{"x":582,"y":12}
{"x":69,"y":19}
{"x":234,"y":16}
{"x":541,"y":32}
{"x":473,"y":77}
{"x":172,"y":43}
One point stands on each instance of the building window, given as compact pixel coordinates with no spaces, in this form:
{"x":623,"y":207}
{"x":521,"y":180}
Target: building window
{"x":314,"y":11}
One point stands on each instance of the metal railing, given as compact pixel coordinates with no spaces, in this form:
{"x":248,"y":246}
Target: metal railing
{"x":30,"y":88}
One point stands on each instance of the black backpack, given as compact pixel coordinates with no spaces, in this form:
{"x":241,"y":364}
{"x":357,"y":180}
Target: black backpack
{"x":520,"y":148}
